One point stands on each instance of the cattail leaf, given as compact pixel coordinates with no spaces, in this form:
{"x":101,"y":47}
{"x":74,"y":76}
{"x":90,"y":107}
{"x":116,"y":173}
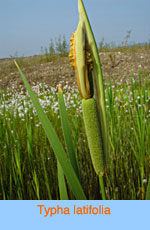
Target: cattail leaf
{"x":97,"y":77}
{"x":61,"y":183}
{"x":67,"y":132}
{"x":55,"y":143}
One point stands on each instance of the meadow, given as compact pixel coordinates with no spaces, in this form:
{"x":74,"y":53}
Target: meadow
{"x":28,"y":167}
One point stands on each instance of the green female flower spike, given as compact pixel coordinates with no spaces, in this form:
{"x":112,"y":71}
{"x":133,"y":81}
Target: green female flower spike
{"x":93,"y":134}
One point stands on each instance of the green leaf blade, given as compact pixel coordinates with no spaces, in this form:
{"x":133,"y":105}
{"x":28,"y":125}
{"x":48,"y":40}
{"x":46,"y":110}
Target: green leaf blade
{"x":148,"y":191}
{"x":98,"y":79}
{"x":67,"y":132}
{"x":62,"y":183}
{"x":55,"y":143}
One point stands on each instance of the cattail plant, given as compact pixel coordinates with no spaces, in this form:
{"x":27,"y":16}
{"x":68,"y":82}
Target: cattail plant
{"x":129,"y":137}
{"x":84,"y":58}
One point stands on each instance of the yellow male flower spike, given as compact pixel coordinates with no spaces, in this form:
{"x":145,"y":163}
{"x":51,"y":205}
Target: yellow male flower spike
{"x":80,"y":59}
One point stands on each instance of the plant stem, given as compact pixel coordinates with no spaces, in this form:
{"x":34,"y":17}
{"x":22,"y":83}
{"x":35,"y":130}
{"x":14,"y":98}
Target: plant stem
{"x":102,"y":187}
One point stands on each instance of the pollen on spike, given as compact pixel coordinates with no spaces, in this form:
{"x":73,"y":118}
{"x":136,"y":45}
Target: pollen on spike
{"x":72,"y":65}
{"x":71,"y":43}
{"x":72,"y":51}
{"x":70,"y":60}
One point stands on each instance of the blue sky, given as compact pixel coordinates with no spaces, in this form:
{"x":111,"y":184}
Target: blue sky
{"x":26,"y":25}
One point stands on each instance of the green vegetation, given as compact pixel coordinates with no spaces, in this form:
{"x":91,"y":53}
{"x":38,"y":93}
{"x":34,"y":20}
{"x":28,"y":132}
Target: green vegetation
{"x":59,"y":48}
{"x":124,"y":46}
{"x":44,"y":150}
{"x":28,"y":167}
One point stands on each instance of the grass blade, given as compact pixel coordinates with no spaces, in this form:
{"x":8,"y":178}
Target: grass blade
{"x":148,"y":191}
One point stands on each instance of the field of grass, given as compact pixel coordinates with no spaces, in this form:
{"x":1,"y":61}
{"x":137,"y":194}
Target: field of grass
{"x":28,"y":167}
